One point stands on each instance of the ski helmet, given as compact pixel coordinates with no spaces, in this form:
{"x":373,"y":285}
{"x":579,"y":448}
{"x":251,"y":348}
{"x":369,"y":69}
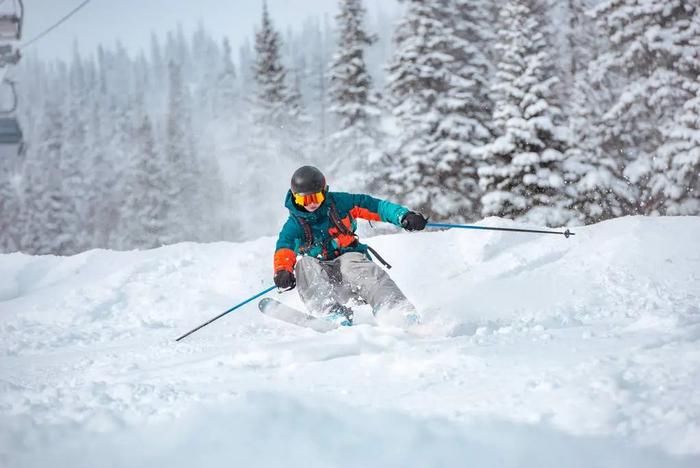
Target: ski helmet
{"x":307,"y":180}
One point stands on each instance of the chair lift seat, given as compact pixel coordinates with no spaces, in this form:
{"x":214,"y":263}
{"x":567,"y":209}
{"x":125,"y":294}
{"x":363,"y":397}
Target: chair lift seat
{"x":10,"y":27}
{"x":10,"y":131}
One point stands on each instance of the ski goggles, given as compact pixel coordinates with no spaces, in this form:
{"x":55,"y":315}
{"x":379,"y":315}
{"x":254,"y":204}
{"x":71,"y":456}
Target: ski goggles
{"x":305,"y":200}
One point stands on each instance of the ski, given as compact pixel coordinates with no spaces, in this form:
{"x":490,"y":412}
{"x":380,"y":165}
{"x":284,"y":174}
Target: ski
{"x":275,"y":309}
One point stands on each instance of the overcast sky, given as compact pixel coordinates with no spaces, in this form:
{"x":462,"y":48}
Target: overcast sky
{"x":131,"y":21}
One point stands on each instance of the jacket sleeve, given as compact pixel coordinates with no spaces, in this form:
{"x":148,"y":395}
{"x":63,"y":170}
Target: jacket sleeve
{"x":285,"y":250}
{"x":375,"y":209}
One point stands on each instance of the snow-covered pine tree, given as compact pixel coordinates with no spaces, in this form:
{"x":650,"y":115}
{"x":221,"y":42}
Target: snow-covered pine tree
{"x":206,"y":62}
{"x":102,"y":217}
{"x":681,"y":153}
{"x":277,"y":113}
{"x":158,"y":69}
{"x":118,"y":131}
{"x":355,"y":140}
{"x":120,"y":76}
{"x":182,"y":171}
{"x":523,"y":176}
{"x":218,"y":221}
{"x":34,"y":210}
{"x":147,"y":206}
{"x":157,"y":63}
{"x":73,"y":165}
{"x":177,"y":51}
{"x":430,"y":99}
{"x":227,"y":129}
{"x":10,"y":228}
{"x":416,"y":75}
{"x":273,"y":147}
{"x":466,"y":110}
{"x":111,"y":143}
{"x":473,"y":26}
{"x":62,"y":222}
{"x":316,"y":88}
{"x":227,"y":96}
{"x":217,"y":109}
{"x":270,"y":77}
{"x":601,"y":190}
{"x":655,"y":49}
{"x":296,"y":131}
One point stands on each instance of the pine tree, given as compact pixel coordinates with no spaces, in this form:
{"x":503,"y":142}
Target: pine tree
{"x":183,"y":171}
{"x":158,"y":68}
{"x":217,"y":220}
{"x":74,"y":151}
{"x":681,"y":153}
{"x":436,"y":89}
{"x":272,"y":93}
{"x":601,"y":191}
{"x":473,"y":26}
{"x":277,"y":112}
{"x":523,"y":175}
{"x":102,"y":217}
{"x":273,"y":146}
{"x":147,"y":206}
{"x":416,"y":76}
{"x":317,"y":89}
{"x":227,"y":97}
{"x":296,"y":131}
{"x":9,"y":211}
{"x":56,"y":217}
{"x":655,"y":50}
{"x":356,"y":138}
{"x":120,"y":130}
{"x":206,"y":62}
{"x":466,"y":108}
{"x":35,"y":207}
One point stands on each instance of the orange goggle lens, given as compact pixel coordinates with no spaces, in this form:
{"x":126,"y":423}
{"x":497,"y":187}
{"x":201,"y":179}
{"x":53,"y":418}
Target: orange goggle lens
{"x":305,"y":200}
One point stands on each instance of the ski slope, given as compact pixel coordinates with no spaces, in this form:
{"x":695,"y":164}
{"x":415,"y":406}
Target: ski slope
{"x":535,"y":350}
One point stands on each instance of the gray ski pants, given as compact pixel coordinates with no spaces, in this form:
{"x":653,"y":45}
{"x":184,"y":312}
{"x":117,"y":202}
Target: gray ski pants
{"x":324,"y":284}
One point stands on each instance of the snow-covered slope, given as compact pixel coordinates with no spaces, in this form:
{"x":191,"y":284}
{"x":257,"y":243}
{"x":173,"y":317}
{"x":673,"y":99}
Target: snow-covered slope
{"x":536,"y":351}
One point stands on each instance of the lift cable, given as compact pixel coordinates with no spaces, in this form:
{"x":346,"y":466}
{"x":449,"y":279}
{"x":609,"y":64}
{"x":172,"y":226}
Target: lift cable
{"x":36,"y":38}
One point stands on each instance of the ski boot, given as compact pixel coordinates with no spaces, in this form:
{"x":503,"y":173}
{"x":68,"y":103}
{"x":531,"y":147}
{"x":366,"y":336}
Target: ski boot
{"x":341,"y":314}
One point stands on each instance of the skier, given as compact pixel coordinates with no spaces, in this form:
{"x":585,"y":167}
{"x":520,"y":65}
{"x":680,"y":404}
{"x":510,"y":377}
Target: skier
{"x":334,"y":267}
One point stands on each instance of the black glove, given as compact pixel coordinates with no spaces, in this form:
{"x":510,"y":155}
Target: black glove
{"x":413,"y":221}
{"x":285,"y":280}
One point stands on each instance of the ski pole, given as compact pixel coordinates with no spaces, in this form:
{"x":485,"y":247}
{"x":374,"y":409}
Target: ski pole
{"x":566,"y":233}
{"x":230,"y":310}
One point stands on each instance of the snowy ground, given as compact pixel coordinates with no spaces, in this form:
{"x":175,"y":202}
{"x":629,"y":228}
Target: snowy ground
{"x":537,"y":351}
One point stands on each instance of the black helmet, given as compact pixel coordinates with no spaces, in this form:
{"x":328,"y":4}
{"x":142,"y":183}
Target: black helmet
{"x":307,"y":180}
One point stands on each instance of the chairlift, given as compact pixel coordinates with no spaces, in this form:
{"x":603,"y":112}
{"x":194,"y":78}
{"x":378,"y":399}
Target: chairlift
{"x":9,"y":55}
{"x":11,"y":110}
{"x":11,"y":23}
{"x":11,"y":137}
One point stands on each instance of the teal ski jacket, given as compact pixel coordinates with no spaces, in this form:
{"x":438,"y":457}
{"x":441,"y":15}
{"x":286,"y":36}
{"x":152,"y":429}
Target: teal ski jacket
{"x":316,"y":234}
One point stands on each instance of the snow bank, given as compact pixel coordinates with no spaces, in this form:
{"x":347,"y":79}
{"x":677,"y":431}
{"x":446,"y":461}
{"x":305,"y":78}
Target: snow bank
{"x":274,"y":430}
{"x":536,"y":351}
